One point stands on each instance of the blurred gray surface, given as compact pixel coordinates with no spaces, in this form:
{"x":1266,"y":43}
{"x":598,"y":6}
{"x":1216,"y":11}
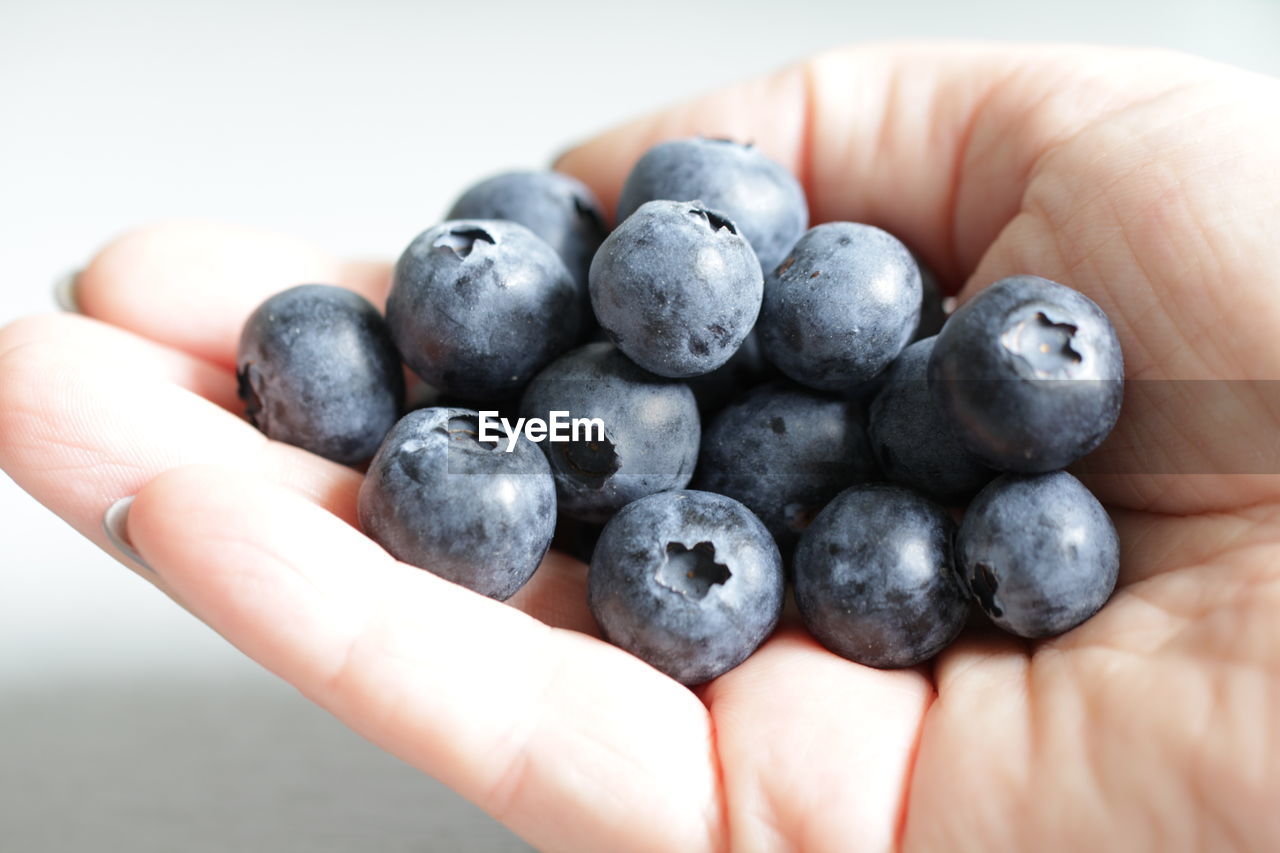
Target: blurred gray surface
{"x":123,"y":723}
{"x":230,"y":762}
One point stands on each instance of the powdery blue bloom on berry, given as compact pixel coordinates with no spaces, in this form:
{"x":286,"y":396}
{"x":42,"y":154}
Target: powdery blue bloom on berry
{"x":913,"y":442}
{"x":558,"y":208}
{"x":651,"y":430}
{"x":1029,"y":373}
{"x":477,"y":307}
{"x":1039,"y":553}
{"x":784,"y":452}
{"x":690,"y":582}
{"x":874,"y":577}
{"x":677,"y":288}
{"x":757,"y":193}
{"x":841,"y":306}
{"x":438,"y":498}
{"x":317,"y":369}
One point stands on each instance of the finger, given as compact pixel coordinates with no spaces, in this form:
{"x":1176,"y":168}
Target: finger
{"x":571,"y":742}
{"x":90,"y":413}
{"x":128,"y":355}
{"x":816,"y":750}
{"x":931,"y":142}
{"x":191,"y":285}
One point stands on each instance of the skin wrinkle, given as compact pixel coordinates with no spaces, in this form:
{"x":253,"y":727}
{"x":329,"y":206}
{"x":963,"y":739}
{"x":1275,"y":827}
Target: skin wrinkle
{"x":889,"y":94}
{"x":1027,"y":179}
{"x":960,"y":168}
{"x":1124,"y":232}
{"x":1113,"y":113}
{"x":1012,"y":687}
{"x":1045,"y":164}
{"x":1187,"y":620}
{"x":904,"y":801}
{"x":46,"y":433}
{"x":720,"y":821}
{"x":1031,"y":169}
{"x":40,"y":331}
{"x":1092,"y":786}
{"x":792,"y":830}
{"x":1207,"y":322}
{"x":1104,"y":194}
{"x":1196,"y":786}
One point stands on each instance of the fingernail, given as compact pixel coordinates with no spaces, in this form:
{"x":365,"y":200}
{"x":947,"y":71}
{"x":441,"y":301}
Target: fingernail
{"x":114,"y":524}
{"x":64,"y":292}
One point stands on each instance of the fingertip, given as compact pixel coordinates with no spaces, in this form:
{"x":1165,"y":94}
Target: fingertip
{"x":190,"y":284}
{"x":238,"y":546}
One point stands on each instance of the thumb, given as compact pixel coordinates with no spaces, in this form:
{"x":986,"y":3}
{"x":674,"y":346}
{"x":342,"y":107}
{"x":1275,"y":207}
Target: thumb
{"x":932,"y":142}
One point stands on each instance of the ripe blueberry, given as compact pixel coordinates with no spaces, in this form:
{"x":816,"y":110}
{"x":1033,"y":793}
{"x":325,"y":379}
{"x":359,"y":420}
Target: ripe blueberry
{"x":558,"y":208}
{"x":690,"y":582}
{"x":440,"y":499}
{"x":913,"y":442}
{"x":840,"y":307}
{"x":477,"y":307}
{"x":651,"y":430}
{"x":317,"y":369}
{"x":757,"y":193}
{"x":1029,"y":372}
{"x":1038,"y":552}
{"x":676,"y":287}
{"x":874,"y":578}
{"x":784,"y":453}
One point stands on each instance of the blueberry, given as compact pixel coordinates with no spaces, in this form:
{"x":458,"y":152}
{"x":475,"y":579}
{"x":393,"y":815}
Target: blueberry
{"x":874,"y":577}
{"x":784,"y":453}
{"x":759,"y":194}
{"x":913,"y":442}
{"x":317,"y":369}
{"x":1038,"y":552}
{"x":676,"y":287}
{"x":690,"y":582}
{"x":840,"y":307}
{"x":651,"y":430}
{"x":558,"y":208}
{"x":477,"y":307}
{"x":1030,"y":374}
{"x":440,"y":499}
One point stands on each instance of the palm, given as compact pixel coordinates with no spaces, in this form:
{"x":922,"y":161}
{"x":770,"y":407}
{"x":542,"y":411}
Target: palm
{"x":1166,"y":698}
{"x":1169,"y":684}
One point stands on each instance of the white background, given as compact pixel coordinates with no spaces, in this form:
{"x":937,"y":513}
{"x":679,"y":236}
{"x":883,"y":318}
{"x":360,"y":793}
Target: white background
{"x":125,"y":724}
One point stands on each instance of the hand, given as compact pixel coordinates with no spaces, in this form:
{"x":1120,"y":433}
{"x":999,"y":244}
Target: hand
{"x":1149,"y":181}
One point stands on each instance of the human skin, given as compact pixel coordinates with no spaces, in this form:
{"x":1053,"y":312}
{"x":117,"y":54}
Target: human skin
{"x":1148,"y":180}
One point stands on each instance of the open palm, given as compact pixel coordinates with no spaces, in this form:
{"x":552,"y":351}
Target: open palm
{"x":1149,"y":181}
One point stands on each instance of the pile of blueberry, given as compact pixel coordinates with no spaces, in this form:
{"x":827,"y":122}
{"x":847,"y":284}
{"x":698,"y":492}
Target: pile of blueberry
{"x":832,"y":420}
